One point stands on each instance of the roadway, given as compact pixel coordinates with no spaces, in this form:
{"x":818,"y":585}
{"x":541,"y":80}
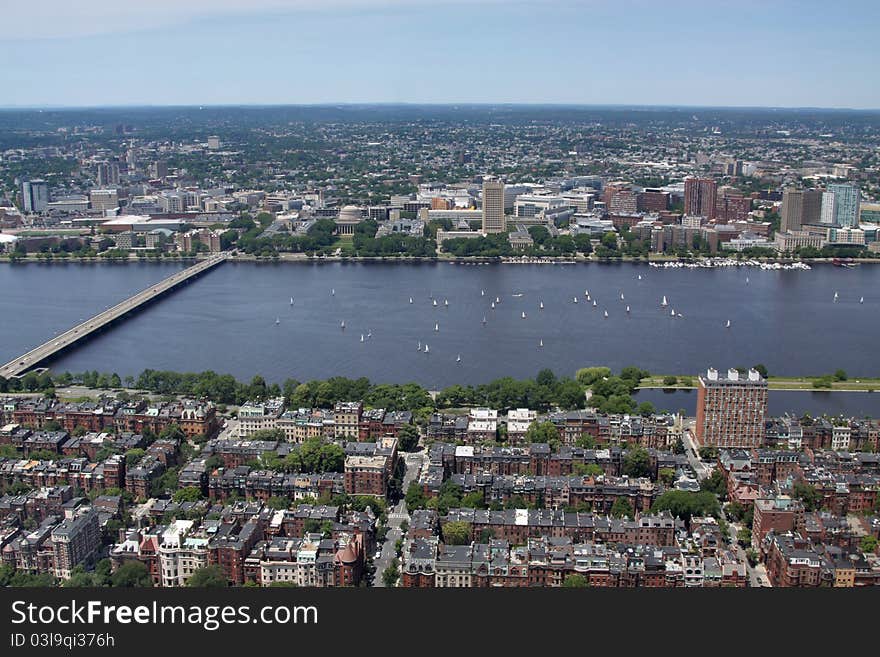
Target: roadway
{"x":396,"y":515}
{"x":35,"y":356}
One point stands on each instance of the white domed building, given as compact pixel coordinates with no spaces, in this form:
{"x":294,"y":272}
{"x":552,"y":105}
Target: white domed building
{"x":349,"y":217}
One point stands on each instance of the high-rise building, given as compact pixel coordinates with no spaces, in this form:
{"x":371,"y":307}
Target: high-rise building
{"x":826,"y":214}
{"x":75,"y":540}
{"x":104,"y":199}
{"x":35,"y":196}
{"x":108,"y":173}
{"x":731,"y":409}
{"x":699,"y":197}
{"x":800,"y":207}
{"x":846,"y":204}
{"x":493,"y":207}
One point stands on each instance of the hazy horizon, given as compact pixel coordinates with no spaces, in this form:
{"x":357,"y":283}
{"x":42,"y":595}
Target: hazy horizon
{"x":621,"y":53}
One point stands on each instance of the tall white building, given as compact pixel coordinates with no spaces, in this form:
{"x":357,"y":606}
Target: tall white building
{"x":826,"y":215}
{"x":35,"y":196}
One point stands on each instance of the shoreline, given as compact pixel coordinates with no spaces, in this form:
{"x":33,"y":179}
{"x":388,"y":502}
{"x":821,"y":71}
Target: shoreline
{"x":507,"y":260}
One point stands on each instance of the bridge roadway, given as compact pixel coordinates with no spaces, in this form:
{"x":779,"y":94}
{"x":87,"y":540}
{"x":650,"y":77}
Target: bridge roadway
{"x":31,"y":359}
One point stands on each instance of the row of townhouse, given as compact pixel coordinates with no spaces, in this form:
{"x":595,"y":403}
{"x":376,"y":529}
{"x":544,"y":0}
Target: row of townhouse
{"x":538,"y":459}
{"x":559,"y":492}
{"x":80,"y":473}
{"x":194,"y":417}
{"x":822,"y":433}
{"x":792,"y":560}
{"x":547,"y":561}
{"x":346,"y":421}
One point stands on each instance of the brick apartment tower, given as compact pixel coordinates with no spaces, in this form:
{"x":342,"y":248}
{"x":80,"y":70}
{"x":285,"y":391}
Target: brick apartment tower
{"x":731,"y":409}
{"x":699,"y":197}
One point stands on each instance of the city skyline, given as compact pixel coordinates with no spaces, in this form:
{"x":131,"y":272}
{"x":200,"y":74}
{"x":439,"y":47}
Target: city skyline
{"x":561,"y":52}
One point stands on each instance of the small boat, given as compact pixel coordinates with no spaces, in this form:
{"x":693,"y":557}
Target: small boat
{"x":362,"y":337}
{"x":445,"y":302}
{"x":342,"y":325}
{"x":541,"y":343}
{"x":426,"y":348}
{"x":588,"y":298}
{"x":640,"y":277}
{"x":664,"y":302}
{"x":484,"y":319}
{"x":291,"y":301}
{"x":621,"y":296}
{"x":436,"y":326}
{"x":627,"y":309}
{"x":493,"y":305}
{"x":419,"y":348}
{"x":517,"y":294}
{"x":587,"y":293}
{"x":606,"y":314}
{"x":410,"y":299}
{"x":524,"y":314}
{"x":482,"y":293}
{"x":369,"y":334}
{"x":541,"y":305}
{"x":728,"y":324}
{"x":747,"y":280}
{"x":497,"y":299}
{"x":332,"y":292}
{"x":594,"y":303}
{"x":277,"y":321}
{"x":861,"y":299}
{"x":836,"y":297}
{"x":575,"y":299}
{"x":672,"y":313}
{"x":679,"y":315}
{"x":434,"y":302}
{"x":458,"y":358}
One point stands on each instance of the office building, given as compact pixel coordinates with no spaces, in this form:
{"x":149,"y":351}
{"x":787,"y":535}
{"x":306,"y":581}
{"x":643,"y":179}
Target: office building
{"x":35,"y":196}
{"x":493,"y":207}
{"x":700,"y":196}
{"x":104,"y":199}
{"x":800,"y":207}
{"x":846,"y":204}
{"x":731,"y":409}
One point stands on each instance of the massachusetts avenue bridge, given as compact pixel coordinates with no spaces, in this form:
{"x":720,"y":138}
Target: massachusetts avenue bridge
{"x":25,"y":362}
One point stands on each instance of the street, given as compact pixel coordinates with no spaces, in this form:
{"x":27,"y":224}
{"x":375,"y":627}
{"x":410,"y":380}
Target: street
{"x":396,"y":515}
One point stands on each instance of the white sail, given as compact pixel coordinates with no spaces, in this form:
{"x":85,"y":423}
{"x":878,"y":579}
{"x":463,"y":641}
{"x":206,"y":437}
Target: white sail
{"x":277,"y":321}
{"x":524,"y":314}
{"x":291,"y":301}
{"x":445,"y":302}
{"x":332,"y":292}
{"x":594,"y":303}
{"x":484,"y":319}
{"x":861,"y":299}
{"x":362,"y":337}
{"x":493,"y":305}
{"x":497,"y":299}
{"x":342,"y":325}
{"x":419,"y":348}
{"x":640,"y":277}
{"x":458,"y":359}
{"x":664,"y":302}
{"x":436,"y":327}
{"x":728,"y":324}
{"x":482,"y":293}
{"x":606,"y":314}
{"x":541,"y":343}
{"x":627,"y":309}
{"x":410,"y":299}
{"x":673,"y":312}
{"x":426,"y":348}
{"x":435,"y":302}
{"x":541,"y":305}
{"x":575,"y":299}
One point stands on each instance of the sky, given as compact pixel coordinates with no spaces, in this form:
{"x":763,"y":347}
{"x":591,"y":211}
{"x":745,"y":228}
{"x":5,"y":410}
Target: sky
{"x":778,"y":53}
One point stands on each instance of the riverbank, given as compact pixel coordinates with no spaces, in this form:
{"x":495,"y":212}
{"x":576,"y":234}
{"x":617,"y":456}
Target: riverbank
{"x":791,"y":384}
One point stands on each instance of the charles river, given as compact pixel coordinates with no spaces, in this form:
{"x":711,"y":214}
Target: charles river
{"x":239,"y":319}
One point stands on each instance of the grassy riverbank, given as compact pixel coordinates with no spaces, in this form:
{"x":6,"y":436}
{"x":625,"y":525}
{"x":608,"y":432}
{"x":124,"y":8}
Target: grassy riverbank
{"x":689,"y":382}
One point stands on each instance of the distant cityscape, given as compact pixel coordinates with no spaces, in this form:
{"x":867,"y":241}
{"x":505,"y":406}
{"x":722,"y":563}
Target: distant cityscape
{"x":596,"y":184}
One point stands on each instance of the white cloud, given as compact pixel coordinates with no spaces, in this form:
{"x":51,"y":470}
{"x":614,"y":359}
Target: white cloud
{"x":80,"y":18}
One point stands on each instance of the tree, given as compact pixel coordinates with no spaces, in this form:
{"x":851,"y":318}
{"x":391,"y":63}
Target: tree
{"x":840,"y":375}
{"x":587,"y":376}
{"x":622,"y":508}
{"x":415,"y":497}
{"x":408,"y":437}
{"x":588,"y":469}
{"x":542,"y":432}
{"x":686,"y":504}
{"x":391,"y":574}
{"x":637,"y":462}
{"x":278,"y":503}
{"x":715,"y":483}
{"x":187,"y":494}
{"x":761,"y":369}
{"x":744,"y":537}
{"x":666,"y":476}
{"x":807,"y":493}
{"x":132,"y":574}
{"x":457,"y":533}
{"x":646,"y":409}
{"x":670,"y":380}
{"x":868,"y":544}
{"x":575,"y":581}
{"x":208,"y":577}
{"x":79,"y":578}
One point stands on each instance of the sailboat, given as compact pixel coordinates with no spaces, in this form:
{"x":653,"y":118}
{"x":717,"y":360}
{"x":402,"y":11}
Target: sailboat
{"x":664,"y":303}
{"x":640,"y":277}
{"x":419,"y":348}
{"x":728,"y":324}
{"x":484,"y":319}
{"x":497,"y":299}
{"x":332,"y":292}
{"x":588,"y":298}
{"x":436,"y":326}
{"x":482,"y":293}
{"x":575,"y":299}
{"x":627,"y":309}
{"x":747,"y":280}
{"x":861,"y":299}
{"x":362,"y":337}
{"x":342,"y":325}
{"x":541,"y":343}
{"x":369,"y":334}
{"x":493,"y":305}
{"x":524,"y":314}
{"x":291,"y":301}
{"x":672,"y":313}
{"x":606,"y":314}
{"x":434,"y":302}
{"x":277,"y":321}
{"x":410,"y":299}
{"x":426,"y":348}
{"x":836,"y":297}
{"x":458,"y":358}
{"x":587,"y":293}
{"x":445,"y":302}
{"x":621,"y":296}
{"x":541,"y":305}
{"x":594,"y":303}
